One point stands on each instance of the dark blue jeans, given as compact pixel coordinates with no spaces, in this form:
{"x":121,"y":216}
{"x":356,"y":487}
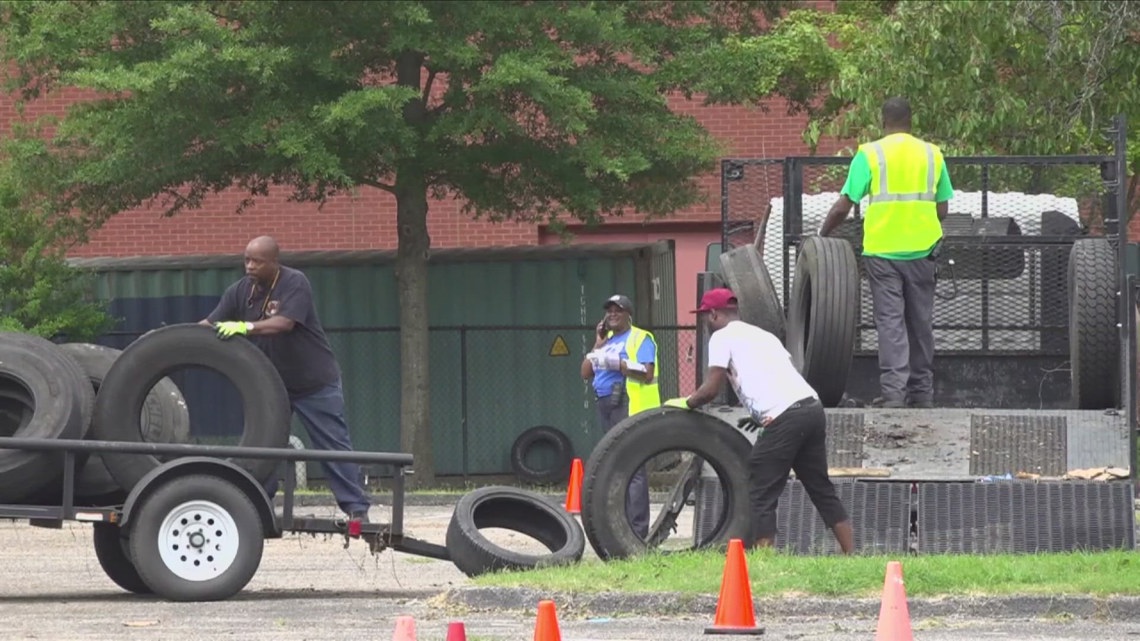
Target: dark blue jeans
{"x":322,"y":413}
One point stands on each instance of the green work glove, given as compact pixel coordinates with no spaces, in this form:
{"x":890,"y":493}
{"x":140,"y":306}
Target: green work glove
{"x":679,"y":402}
{"x":233,"y":328}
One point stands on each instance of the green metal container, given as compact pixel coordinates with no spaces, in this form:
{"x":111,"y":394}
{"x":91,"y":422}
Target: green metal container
{"x":508,"y":329}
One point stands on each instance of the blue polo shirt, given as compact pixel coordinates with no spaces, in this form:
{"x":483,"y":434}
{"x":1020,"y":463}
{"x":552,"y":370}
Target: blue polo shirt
{"x":604,"y":380}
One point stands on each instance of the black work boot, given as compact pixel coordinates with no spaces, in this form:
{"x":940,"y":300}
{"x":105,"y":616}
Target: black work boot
{"x":920,"y":403}
{"x":887,"y":403}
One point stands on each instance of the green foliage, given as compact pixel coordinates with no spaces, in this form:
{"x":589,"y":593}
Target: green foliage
{"x":42,"y":294}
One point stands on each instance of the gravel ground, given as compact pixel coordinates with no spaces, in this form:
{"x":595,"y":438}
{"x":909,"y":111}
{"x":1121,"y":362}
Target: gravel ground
{"x":51,"y":587}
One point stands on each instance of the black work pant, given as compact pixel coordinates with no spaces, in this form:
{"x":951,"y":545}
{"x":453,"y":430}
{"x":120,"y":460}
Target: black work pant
{"x":795,"y":440}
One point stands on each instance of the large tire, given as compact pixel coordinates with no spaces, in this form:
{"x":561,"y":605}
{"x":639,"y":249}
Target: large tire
{"x":635,"y":440}
{"x":747,"y":276}
{"x":164,"y":417}
{"x":563,"y":455}
{"x":118,"y":408}
{"x":513,"y":509}
{"x":16,"y":410}
{"x":823,"y":314}
{"x":55,"y":389}
{"x":1094,"y":341}
{"x":111,"y":550}
{"x":196,"y":538}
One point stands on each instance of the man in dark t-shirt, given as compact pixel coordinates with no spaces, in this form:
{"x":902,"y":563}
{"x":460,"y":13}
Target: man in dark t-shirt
{"x":273,"y":307}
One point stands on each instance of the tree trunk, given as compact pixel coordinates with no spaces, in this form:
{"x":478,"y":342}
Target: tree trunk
{"x":412,"y":285}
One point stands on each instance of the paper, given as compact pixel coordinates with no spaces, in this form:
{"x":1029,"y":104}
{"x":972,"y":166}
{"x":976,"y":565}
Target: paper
{"x":634,"y":366}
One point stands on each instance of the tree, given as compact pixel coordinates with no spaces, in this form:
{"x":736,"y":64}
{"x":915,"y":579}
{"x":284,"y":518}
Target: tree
{"x":42,"y":294}
{"x":1032,"y":77}
{"x":532,"y":111}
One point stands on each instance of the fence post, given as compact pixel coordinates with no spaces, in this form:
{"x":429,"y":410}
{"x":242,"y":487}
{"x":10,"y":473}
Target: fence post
{"x":463,"y":396}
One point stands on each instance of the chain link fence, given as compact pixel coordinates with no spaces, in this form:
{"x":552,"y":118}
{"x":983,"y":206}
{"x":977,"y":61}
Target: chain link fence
{"x":1003,"y":286}
{"x":488,"y":386}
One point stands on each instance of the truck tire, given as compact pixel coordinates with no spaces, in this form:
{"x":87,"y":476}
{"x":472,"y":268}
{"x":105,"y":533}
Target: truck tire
{"x":55,"y":391}
{"x":111,"y":551}
{"x":558,"y":472}
{"x":122,"y":396}
{"x":513,"y":509}
{"x":196,"y":538}
{"x":747,"y":276}
{"x":1094,"y":341}
{"x":823,"y":314}
{"x":632,"y":442}
{"x":164,"y":418}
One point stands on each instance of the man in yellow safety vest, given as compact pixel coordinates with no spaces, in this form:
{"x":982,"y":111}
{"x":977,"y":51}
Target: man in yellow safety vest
{"x":908,"y":190}
{"x":621,"y":368}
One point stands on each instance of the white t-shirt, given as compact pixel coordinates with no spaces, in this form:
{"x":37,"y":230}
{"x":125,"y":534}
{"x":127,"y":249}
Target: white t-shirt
{"x":759,"y":368}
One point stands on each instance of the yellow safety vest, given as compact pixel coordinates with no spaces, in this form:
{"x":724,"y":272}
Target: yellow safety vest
{"x":901,"y":215}
{"x":642,"y":396}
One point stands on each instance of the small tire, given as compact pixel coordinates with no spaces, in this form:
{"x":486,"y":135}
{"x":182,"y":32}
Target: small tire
{"x":119,"y":406}
{"x":164,"y":419}
{"x":823,"y":315}
{"x":196,"y":538}
{"x":747,"y":276}
{"x":563,"y":455}
{"x":33,"y":366}
{"x":1094,"y":341}
{"x":512,"y":509}
{"x":111,"y":549}
{"x":635,"y":440}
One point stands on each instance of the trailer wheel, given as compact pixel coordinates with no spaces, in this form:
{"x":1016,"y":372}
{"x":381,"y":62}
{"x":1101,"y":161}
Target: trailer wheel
{"x":747,"y":276}
{"x":823,"y":313}
{"x":558,"y":471}
{"x":196,"y":538}
{"x":512,"y":509}
{"x":1094,"y":344}
{"x":34,"y":369}
{"x":111,"y":550}
{"x":164,"y":418}
{"x":630,"y":443}
{"x":119,"y":406}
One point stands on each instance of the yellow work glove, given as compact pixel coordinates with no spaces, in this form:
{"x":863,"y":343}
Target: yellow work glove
{"x":679,"y":402}
{"x":233,"y":328}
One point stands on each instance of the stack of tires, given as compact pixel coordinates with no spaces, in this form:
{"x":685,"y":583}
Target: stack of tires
{"x":83,"y":391}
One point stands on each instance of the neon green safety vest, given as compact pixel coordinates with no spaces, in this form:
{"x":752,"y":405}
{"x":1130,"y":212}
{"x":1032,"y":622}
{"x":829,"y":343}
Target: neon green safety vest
{"x":901,"y":215}
{"x":642,"y":396}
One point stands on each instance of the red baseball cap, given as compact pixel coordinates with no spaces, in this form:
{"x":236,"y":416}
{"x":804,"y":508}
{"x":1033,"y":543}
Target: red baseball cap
{"x":719,"y":298}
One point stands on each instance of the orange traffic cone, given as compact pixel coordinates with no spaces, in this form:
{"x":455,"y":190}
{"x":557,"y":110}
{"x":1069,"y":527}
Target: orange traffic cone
{"x":546,"y":626}
{"x":574,"y":490}
{"x":405,"y":629}
{"x":894,"y":616}
{"x":456,"y":631}
{"x":734,"y":613}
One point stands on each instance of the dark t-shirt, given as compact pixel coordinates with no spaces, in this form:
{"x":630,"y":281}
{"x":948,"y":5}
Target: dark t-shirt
{"x":302,"y":357}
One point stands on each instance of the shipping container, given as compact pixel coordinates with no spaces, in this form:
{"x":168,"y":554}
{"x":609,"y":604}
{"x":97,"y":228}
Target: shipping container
{"x":508,"y":329}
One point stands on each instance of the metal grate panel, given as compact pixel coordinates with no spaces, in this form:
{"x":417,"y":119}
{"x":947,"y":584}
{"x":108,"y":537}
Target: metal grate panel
{"x":1012,"y":443}
{"x":845,"y":440}
{"x":1025,"y":517}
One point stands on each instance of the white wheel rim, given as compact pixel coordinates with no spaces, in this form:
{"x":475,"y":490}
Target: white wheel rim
{"x":198,"y":541}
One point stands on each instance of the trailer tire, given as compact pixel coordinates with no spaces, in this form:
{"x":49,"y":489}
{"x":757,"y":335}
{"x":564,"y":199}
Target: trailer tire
{"x":196,"y":538}
{"x":632,"y":442}
{"x":823,"y":315}
{"x":164,"y":417}
{"x":747,"y":276}
{"x":514,"y":509}
{"x":119,"y":406}
{"x":112,"y":551}
{"x":1094,"y":344}
{"x":563,"y":455}
{"x":53,"y":384}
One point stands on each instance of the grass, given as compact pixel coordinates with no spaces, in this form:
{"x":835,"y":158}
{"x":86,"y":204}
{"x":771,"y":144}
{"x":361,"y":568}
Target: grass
{"x":776,"y":574}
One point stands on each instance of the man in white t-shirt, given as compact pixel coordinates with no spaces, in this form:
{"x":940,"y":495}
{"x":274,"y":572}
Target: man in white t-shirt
{"x":782,"y":405}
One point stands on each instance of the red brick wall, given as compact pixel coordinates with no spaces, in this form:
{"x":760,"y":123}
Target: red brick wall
{"x":368,"y":220}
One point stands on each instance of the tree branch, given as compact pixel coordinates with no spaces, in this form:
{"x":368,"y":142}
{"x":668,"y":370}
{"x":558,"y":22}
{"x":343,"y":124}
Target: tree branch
{"x":391,"y":189}
{"x":427,"y":85}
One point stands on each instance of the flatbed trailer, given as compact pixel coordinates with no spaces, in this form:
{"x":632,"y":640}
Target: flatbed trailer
{"x":193,"y":529}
